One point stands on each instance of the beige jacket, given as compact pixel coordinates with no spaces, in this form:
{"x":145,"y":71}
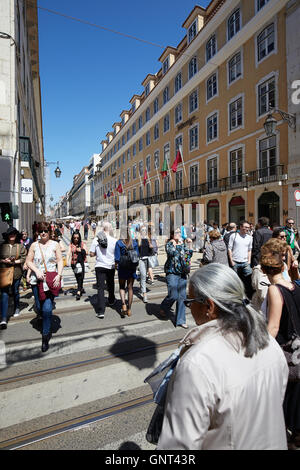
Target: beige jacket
{"x":219,"y":399}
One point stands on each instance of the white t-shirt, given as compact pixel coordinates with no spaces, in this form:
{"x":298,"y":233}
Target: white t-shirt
{"x":105,"y":257}
{"x":240,"y":247}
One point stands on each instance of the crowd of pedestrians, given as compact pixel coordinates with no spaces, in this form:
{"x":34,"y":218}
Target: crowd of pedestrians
{"x":245,"y":300}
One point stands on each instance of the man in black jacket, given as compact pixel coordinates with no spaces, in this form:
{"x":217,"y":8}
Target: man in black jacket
{"x":260,"y":237}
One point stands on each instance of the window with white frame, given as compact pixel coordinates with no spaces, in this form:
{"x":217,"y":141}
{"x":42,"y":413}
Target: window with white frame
{"x":147,"y":114}
{"x":178,"y":143}
{"x":156,"y":187}
{"x":192,"y":67}
{"x":211,"y":87}
{"x":166,"y":95}
{"x":167,"y":184}
{"x":166,"y":123}
{"x":166,"y":65}
{"x":119,"y":162}
{"x":260,"y":4}
{"x":134,"y":150}
{"x":134,"y":172}
{"x":192,"y":31}
{"x":129,"y":196}
{"x":124,"y":158}
{"x":177,"y":82}
{"x":128,"y":175}
{"x":156,"y":160}
{"x":267,"y":157}
{"x":179,"y":180}
{"x":212,"y":127}
{"x":236,"y":166}
{"x":155,"y":106}
{"x":147,"y":89}
{"x":140,"y":144}
{"x":194,"y":137}
{"x":148,"y":163}
{"x":236,"y":113}
{"x":266,"y":96}
{"x":124,"y":177}
{"x":128,"y":155}
{"x":211,"y":47}
{"x":235,"y":67}
{"x":212,"y":173}
{"x":193,"y":101}
{"x":134,"y":128}
{"x":148,"y":139}
{"x":193,"y":177}
{"x":266,"y":42}
{"x":140,"y":122}
{"x":148,"y":190}
{"x":141,"y":167}
{"x":167,"y":152}
{"x":233,"y":24}
{"x":123,"y":140}
{"x":156,"y":131}
{"x":178,"y":113}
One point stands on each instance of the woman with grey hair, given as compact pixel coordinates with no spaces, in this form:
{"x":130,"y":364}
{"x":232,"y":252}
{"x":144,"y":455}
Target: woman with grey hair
{"x":228,"y":387}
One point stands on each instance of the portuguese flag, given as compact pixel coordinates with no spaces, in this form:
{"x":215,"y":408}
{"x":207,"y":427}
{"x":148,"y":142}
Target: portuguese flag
{"x":164,"y":170}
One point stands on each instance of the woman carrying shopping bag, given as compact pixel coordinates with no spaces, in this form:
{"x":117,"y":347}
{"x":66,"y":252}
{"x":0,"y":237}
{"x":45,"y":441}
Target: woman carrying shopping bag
{"x":45,"y":261}
{"x":12,"y":258}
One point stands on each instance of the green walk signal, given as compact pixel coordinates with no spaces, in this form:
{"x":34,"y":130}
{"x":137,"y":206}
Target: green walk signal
{"x":6,"y":212}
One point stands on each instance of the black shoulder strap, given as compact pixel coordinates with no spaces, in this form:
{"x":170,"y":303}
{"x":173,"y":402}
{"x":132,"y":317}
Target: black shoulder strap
{"x":294,"y":309}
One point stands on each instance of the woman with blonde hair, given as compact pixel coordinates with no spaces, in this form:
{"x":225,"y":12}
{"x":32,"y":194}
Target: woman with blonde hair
{"x":215,"y":251}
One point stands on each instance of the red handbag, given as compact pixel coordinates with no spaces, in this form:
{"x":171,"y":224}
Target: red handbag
{"x":49,"y":281}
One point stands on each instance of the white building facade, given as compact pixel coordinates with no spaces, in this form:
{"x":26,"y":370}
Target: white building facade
{"x":21,"y":133}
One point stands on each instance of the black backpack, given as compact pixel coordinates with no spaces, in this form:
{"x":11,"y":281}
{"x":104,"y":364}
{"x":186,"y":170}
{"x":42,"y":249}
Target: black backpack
{"x":102,"y":240}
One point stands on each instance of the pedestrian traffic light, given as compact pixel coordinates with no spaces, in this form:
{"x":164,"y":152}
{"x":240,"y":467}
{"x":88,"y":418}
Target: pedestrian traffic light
{"x":6,"y":212}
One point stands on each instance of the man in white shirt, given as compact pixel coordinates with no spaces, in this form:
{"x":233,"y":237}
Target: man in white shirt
{"x":104,"y":267}
{"x":239,"y":254}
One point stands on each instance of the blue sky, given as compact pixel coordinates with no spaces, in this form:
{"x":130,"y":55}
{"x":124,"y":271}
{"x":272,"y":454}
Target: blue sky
{"x":89,"y":75}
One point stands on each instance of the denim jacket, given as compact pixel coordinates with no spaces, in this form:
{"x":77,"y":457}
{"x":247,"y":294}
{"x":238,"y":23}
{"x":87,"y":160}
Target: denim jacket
{"x":173,"y":264}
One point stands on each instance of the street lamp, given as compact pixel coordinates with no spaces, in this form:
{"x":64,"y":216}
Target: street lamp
{"x":57,"y":170}
{"x":271,"y":123}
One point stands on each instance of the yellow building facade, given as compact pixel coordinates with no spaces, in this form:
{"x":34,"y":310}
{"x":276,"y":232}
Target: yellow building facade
{"x":209,"y":99}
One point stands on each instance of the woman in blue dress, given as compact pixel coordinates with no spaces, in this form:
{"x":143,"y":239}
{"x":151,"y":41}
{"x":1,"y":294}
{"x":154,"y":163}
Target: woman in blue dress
{"x":126,"y":270}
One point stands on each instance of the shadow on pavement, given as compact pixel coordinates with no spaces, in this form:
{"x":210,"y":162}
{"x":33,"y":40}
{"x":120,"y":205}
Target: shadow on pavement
{"x":37,"y":324}
{"x":143,"y":350}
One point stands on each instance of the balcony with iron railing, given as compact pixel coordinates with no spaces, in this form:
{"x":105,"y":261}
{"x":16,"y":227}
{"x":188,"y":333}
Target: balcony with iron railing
{"x":266,"y":175}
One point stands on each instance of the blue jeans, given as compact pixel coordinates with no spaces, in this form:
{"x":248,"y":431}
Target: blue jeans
{"x":244,"y":271}
{"x":35,"y":291}
{"x":176,"y":293}
{"x":47,"y":306}
{"x":4,"y":298}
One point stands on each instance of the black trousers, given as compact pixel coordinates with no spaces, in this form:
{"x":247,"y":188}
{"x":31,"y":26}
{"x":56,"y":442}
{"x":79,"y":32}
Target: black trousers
{"x":102,"y":275}
{"x":79,"y":277}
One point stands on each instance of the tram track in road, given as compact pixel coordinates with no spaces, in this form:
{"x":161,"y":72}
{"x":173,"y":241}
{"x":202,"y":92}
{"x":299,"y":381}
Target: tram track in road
{"x":75,"y":423}
{"x":87,"y":362}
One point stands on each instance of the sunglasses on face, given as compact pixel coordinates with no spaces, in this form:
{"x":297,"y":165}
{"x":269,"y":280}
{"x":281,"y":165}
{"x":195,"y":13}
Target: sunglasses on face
{"x":282,"y":236}
{"x":188,"y":302}
{"x":43,"y":231}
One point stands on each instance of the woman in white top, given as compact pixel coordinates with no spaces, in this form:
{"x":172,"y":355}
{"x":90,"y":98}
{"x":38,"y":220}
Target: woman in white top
{"x":45,"y":252}
{"x":228,"y":387}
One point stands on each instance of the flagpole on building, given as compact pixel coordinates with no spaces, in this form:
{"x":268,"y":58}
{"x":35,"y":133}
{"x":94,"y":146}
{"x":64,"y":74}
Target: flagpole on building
{"x":185,"y":174}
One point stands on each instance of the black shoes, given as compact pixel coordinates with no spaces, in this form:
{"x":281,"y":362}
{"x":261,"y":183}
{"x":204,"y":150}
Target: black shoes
{"x":45,"y":342}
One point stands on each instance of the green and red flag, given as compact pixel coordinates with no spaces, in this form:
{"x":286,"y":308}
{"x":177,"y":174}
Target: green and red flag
{"x":164,"y":170}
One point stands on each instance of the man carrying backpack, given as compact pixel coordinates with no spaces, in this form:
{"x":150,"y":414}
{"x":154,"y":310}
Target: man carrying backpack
{"x":103,"y":247}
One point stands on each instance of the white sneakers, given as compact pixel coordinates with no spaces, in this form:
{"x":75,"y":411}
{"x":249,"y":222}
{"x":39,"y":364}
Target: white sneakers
{"x":17,"y":312}
{"x":3,"y":325}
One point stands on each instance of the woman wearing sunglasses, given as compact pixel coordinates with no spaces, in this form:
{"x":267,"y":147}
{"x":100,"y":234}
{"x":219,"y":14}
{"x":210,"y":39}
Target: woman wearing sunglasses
{"x":176,"y":276}
{"x":45,"y":256}
{"x":228,"y":387}
{"x":290,"y":260}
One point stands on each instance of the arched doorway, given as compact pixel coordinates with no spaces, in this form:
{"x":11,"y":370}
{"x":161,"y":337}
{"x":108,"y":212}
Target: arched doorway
{"x":269,"y":206}
{"x":236,"y":209}
{"x":213,"y":211}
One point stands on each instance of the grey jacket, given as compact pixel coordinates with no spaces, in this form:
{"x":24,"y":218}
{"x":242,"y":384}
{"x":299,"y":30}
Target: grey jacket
{"x":216,"y":252}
